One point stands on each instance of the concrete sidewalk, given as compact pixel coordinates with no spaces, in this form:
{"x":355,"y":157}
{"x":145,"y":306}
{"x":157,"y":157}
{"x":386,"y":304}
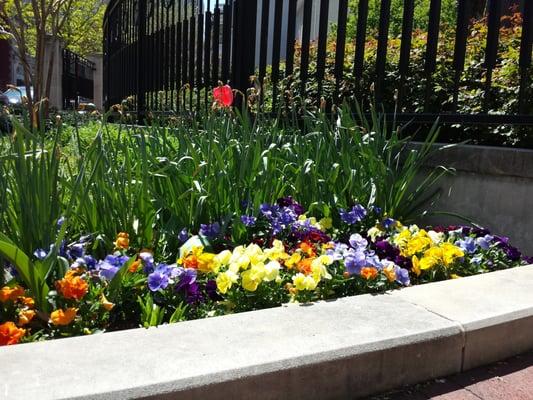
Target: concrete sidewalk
{"x":511,"y":379}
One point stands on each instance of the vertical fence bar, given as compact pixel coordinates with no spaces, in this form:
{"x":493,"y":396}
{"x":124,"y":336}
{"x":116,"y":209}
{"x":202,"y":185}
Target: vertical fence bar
{"x":491,"y":51}
{"x":226,"y":41}
{"x":459,"y":55}
{"x":172,"y":72}
{"x":149,"y":76}
{"x":291,"y":38}
{"x":276,"y":50}
{"x":207,"y":49}
{"x":244,"y":44}
{"x":158,"y":55}
{"x":192,"y":38}
{"x":106,"y":60}
{"x":199,"y":57}
{"x":381,"y":56}
{"x":168,"y":58}
{"x":185,"y":52}
{"x":216,"y":45}
{"x":162,"y":56}
{"x":141,"y":39}
{"x":431,"y":48}
{"x":340,"y":46}
{"x":264,"y":42}
{"x":405,"y":49}
{"x":360,"y":39}
{"x":306,"y":43}
{"x":524,"y":62}
{"x":179,"y":79}
{"x":322,"y":44}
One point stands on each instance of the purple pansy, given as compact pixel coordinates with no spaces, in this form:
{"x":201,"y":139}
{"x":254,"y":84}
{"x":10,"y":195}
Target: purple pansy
{"x":355,"y":215}
{"x":468,"y":245}
{"x":40,"y":254}
{"x":210,"y":231}
{"x":402,"y":276}
{"x":388,"y":223}
{"x":484,"y":242}
{"x":358,"y":242}
{"x":248,"y":220}
{"x":290,"y":203}
{"x":158,"y":281}
{"x":183,"y":236}
{"x":148,"y":262}
{"x":109,"y":267}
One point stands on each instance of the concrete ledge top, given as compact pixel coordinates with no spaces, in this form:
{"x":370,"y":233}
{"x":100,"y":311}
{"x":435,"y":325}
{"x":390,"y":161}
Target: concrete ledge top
{"x":487,"y":160}
{"x":205,"y":353}
{"x":477,"y":302}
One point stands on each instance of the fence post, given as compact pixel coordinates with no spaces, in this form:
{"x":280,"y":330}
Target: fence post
{"x":141,"y":92}
{"x":244,"y":27}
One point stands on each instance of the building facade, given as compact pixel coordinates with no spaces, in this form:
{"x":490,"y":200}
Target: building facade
{"x":11,"y":68}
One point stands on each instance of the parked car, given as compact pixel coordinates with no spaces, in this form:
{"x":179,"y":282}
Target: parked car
{"x":15,"y":95}
{"x":4,"y":100}
{"x":86,"y":108}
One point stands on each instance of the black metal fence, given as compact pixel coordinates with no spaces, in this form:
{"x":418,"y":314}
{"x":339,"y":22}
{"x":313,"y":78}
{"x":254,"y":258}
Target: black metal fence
{"x":166,"y":55}
{"x":78,"y":79}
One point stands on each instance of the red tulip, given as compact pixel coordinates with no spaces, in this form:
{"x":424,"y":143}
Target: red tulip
{"x":223,"y":96}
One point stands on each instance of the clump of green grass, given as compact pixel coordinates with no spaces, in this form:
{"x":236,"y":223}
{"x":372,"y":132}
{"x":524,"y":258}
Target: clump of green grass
{"x":153,"y":181}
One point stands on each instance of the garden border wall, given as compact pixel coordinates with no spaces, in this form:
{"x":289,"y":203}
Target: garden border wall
{"x":493,"y":186}
{"x":345,"y":348}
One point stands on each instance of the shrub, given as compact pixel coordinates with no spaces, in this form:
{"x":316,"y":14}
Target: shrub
{"x":503,"y":97}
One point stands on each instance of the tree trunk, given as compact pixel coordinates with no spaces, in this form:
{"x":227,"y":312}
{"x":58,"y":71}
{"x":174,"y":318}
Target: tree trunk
{"x":49,"y":75}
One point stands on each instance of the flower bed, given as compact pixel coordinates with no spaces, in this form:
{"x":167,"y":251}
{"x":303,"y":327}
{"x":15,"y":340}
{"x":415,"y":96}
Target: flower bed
{"x":284,"y":254}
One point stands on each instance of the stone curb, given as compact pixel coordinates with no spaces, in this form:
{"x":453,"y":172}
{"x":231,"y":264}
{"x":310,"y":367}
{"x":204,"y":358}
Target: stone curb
{"x":346,"y":348}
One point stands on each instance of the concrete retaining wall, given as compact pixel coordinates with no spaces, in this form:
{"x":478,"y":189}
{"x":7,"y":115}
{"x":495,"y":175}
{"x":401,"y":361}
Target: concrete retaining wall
{"x":492,"y":186}
{"x":342,"y":349}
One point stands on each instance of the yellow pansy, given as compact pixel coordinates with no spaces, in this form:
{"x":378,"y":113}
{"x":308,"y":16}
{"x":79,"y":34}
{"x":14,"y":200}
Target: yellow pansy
{"x":223,"y":258}
{"x":225,"y":280}
{"x":293,"y":260}
{"x":402,"y":238}
{"x":436,"y":237}
{"x":417,"y":244}
{"x":277,"y":252}
{"x":416,"y":265}
{"x":272,"y":271}
{"x":389,"y":272}
{"x":304,"y":282}
{"x":206,"y":263}
{"x":325,"y":224}
{"x":444,"y":255}
{"x":255,"y":254}
{"x":252,"y":278}
{"x":450,"y":253}
{"x":373,"y":233}
{"x":431,"y":258}
{"x":239,"y":259}
{"x":318,"y":268}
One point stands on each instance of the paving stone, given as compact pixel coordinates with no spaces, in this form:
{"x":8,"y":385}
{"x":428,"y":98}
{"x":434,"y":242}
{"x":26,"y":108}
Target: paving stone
{"x":495,"y":310}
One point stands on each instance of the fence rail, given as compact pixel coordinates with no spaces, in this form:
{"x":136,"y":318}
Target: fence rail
{"x":156,"y":48}
{"x":78,"y":76}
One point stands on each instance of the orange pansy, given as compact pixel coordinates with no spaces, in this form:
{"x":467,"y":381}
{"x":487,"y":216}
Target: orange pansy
{"x":10,"y":334}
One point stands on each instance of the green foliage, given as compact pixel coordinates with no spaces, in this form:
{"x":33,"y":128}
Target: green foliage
{"x":152,"y":182}
{"x":420,"y":20}
{"x":151,"y":313}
